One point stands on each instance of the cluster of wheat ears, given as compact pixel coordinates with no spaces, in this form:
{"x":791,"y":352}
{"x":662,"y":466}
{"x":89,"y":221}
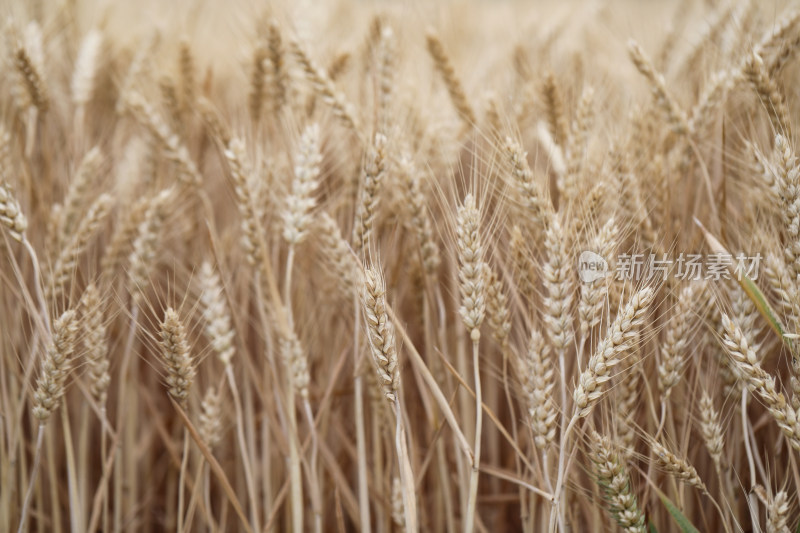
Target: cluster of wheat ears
{"x":316,"y":267}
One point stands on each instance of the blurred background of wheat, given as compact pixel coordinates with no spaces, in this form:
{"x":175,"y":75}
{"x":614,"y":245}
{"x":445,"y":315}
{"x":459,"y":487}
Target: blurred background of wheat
{"x":314,"y":266}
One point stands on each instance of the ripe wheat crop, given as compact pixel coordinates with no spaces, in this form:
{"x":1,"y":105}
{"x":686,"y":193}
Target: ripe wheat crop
{"x":399,"y":266}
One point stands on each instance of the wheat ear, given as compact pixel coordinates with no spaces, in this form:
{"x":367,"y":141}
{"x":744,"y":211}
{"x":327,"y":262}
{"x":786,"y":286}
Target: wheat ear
{"x":537,"y":379}
{"x":676,"y":341}
{"x":258,"y":72}
{"x":578,"y":143}
{"x":769,"y":93}
{"x":279,"y":76}
{"x":554,"y":108}
{"x":472,"y":270}
{"x":11,"y":215}
{"x":381,"y":333}
{"x":32,"y":78}
{"x":525,"y":275}
{"x":86,"y":67}
{"x":253,"y":234}
{"x":593,"y":294}
{"x":324,"y":88}
{"x":94,"y":330}
{"x":174,"y":149}
{"x":445,"y":68}
{"x":618,"y":342}
{"x":675,"y":115}
{"x":337,"y":253}
{"x":420,"y":218}
{"x":176,"y":357}
{"x":374,"y":170}
{"x":756,"y":378}
{"x":186,"y":68}
{"x":711,"y":429}
{"x":216,"y":314}
{"x":50,"y":389}
{"x":145,"y":245}
{"x":615,"y":483}
{"x":55,"y":366}
{"x":497,"y":313}
{"x":787,"y":176}
{"x":778,"y":513}
{"x":87,"y":172}
{"x":536,"y":205}
{"x":677,"y":467}
{"x":66,"y":262}
{"x":296,"y":216}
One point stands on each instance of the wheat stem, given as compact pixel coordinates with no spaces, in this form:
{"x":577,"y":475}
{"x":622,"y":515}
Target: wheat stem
{"x":34,"y":475}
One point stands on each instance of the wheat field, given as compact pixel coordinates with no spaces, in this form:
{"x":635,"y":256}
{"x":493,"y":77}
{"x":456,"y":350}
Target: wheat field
{"x":399,"y":266}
